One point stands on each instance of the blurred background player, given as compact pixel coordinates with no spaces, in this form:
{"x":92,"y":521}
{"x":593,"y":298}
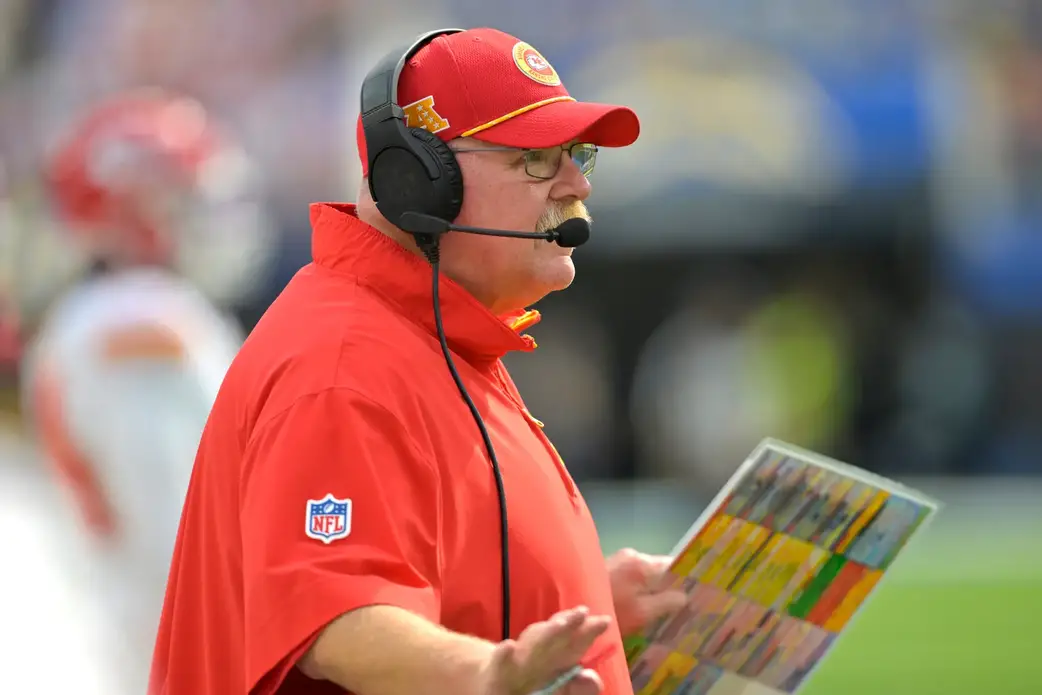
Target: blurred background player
{"x":123,"y":366}
{"x":10,"y":332}
{"x":43,"y":594}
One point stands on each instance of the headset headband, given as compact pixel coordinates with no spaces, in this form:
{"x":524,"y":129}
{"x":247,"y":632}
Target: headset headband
{"x":409,"y":169}
{"x":380,"y":87}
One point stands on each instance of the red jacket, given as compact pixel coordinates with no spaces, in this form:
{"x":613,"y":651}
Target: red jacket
{"x":340,"y":468}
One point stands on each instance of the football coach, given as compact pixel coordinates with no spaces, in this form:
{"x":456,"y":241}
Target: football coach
{"x":373,"y":509}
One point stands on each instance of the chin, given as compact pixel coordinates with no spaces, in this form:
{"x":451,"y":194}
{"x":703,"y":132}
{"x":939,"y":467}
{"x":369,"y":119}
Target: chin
{"x":559,"y":274}
{"x":551,"y":277}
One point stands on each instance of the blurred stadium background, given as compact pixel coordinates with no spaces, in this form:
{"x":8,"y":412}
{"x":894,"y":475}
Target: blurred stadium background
{"x":830,"y":232}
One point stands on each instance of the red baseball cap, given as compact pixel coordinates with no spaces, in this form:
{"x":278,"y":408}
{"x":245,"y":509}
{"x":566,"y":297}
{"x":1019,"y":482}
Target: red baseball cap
{"x":490,"y":85}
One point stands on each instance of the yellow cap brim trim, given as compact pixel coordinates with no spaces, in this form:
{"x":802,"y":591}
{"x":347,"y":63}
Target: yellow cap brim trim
{"x":514,"y":114}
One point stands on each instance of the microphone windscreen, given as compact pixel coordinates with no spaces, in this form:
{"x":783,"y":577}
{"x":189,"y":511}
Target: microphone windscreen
{"x":573,"y":232}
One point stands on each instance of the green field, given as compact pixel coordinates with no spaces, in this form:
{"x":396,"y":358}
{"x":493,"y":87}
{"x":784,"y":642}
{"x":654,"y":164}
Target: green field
{"x":958,"y":638}
{"x":961,"y":614}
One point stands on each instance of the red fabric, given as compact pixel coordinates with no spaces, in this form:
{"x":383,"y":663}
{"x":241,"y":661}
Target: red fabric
{"x":481,"y":75}
{"x":341,"y":390}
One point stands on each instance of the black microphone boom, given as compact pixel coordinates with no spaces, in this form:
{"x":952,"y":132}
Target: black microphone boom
{"x":572,"y":232}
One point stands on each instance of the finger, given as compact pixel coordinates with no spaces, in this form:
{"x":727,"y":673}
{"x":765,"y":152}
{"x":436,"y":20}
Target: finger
{"x":588,"y":682}
{"x":562,"y":621}
{"x":545,"y":651}
{"x":571,"y":616}
{"x":592,"y":628}
{"x":557,"y":629}
{"x":656,"y":571}
{"x":582,"y":636}
{"x":659,"y":563}
{"x":563,"y":655}
{"x":562,"y":625}
{"x":655,"y":606}
{"x":559,"y":652}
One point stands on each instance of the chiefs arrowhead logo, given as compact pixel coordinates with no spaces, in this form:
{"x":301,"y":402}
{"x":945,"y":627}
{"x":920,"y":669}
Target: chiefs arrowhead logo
{"x":534,"y":66}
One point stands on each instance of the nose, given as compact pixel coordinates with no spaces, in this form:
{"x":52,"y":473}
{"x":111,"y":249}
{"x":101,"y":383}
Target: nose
{"x":570,"y":181}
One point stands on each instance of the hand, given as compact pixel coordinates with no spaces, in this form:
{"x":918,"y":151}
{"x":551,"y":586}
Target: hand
{"x":544,"y":651}
{"x":640,"y":589}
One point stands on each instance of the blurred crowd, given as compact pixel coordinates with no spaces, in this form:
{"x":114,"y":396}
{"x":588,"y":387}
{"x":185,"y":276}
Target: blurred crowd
{"x":829,"y":232}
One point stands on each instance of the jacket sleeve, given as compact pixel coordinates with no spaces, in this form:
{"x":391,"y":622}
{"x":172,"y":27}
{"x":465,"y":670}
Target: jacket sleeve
{"x":339,"y":509}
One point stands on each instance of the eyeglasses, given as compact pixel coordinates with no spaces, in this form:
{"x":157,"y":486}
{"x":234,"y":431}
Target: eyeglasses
{"x":544,"y":163}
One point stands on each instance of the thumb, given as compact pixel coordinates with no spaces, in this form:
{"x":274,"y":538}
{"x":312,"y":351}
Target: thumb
{"x":659,"y":564}
{"x":655,"y":569}
{"x":501,"y":669}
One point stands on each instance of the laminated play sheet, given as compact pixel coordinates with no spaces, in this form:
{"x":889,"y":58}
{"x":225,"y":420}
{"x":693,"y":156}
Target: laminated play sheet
{"x":775,"y":568}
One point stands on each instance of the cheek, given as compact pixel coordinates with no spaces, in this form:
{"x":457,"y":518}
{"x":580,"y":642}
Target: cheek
{"x":510,"y":262}
{"x":510,"y":256}
{"x":488,"y":256}
{"x":512,"y":205}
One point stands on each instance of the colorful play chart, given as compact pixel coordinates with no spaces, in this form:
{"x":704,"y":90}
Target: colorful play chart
{"x":775,"y":568}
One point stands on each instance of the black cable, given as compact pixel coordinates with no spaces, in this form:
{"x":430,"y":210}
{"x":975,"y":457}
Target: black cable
{"x":429,"y":245}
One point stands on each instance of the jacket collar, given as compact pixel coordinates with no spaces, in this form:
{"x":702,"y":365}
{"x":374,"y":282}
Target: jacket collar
{"x":344,"y":244}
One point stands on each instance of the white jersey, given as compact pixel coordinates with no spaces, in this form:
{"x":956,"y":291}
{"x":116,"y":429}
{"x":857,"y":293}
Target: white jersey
{"x":44,"y":609}
{"x":117,"y":389}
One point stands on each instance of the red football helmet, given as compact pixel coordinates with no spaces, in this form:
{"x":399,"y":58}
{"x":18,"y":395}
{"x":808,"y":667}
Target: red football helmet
{"x":149,"y":177}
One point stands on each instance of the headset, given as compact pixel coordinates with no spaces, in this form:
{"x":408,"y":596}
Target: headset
{"x":410,"y":169}
{"x":414,"y":177}
{"x":412,"y":172}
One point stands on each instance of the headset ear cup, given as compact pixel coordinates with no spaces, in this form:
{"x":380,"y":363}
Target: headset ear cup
{"x":399,"y":183}
{"x":446,"y":199}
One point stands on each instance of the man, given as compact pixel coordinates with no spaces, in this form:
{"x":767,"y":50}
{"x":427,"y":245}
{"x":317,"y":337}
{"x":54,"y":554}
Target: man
{"x":341,"y":530}
{"x":123,"y":367}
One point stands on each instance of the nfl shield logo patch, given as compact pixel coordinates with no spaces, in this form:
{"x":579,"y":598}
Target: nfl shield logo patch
{"x":328,"y":518}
